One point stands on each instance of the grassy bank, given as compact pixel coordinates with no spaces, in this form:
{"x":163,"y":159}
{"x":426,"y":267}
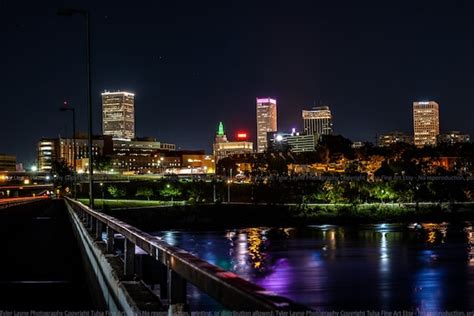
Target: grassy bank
{"x":115,"y":204}
{"x":237,"y":215}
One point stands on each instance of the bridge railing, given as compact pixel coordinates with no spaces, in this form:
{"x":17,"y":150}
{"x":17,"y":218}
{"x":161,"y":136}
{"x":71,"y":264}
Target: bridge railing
{"x":6,"y":203}
{"x":178,"y":266}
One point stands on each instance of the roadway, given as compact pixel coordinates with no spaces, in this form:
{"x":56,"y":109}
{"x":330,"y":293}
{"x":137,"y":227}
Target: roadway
{"x":41,"y":267}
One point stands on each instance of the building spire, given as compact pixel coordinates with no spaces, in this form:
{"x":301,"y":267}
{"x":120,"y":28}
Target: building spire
{"x":220,"y":129}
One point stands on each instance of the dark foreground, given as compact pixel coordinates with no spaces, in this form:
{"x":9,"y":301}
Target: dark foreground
{"x":40,"y":266}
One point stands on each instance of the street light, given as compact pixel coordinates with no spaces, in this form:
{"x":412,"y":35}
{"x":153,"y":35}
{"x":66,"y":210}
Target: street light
{"x":74,"y":156}
{"x":85,"y":14}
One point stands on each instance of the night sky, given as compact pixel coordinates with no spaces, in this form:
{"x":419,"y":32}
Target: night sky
{"x":194,"y":63}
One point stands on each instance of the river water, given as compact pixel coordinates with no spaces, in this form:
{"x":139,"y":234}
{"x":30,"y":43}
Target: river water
{"x":416,"y":267}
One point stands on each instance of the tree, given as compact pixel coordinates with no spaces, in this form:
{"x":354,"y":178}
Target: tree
{"x":383,"y":192}
{"x":145,"y":192}
{"x":116,"y":192}
{"x":102,"y":163}
{"x":61,"y":172}
{"x":170,"y":191}
{"x":225,"y":165}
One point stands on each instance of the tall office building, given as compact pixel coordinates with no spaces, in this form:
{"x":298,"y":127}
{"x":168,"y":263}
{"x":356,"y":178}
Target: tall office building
{"x":118,"y":114}
{"x":266,"y":121}
{"x":425,"y":123}
{"x":318,"y":121}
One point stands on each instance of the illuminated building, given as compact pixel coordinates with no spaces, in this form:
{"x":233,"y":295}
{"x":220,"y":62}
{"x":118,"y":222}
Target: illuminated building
{"x":294,"y":142}
{"x":395,"y":137}
{"x":266,"y":121}
{"x":7,"y":162}
{"x":141,"y":155}
{"x":46,"y":154}
{"x":186,"y":162}
{"x":64,"y":147}
{"x":139,"y":147}
{"x":223,"y":148}
{"x":125,"y":155}
{"x":317,"y":121}
{"x":357,"y":144}
{"x":425,"y":123}
{"x":118,"y":114}
{"x":453,"y":137}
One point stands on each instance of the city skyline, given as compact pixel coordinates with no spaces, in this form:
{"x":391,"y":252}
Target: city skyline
{"x":369,"y":90}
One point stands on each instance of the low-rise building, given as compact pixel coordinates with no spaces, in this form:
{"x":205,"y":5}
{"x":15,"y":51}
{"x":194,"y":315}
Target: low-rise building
{"x":7,"y":162}
{"x":137,"y":155}
{"x":224,"y":148}
{"x":294,"y":142}
{"x":395,"y":137}
{"x":453,"y":137}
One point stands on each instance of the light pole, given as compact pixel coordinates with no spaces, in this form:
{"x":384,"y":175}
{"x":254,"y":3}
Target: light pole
{"x":85,"y":14}
{"x":74,"y":156}
{"x":228,"y":186}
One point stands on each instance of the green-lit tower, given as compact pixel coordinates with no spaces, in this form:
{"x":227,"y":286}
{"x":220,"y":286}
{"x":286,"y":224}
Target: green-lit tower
{"x":220,"y":135}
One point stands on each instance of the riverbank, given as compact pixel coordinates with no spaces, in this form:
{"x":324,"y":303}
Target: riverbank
{"x":221,"y":216}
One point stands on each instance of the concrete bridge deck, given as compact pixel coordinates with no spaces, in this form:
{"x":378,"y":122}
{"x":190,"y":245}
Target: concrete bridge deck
{"x":40,"y":266}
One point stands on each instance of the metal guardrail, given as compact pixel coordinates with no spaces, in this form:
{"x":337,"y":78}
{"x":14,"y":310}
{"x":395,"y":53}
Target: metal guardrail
{"x":20,"y":201}
{"x":179,"y":266}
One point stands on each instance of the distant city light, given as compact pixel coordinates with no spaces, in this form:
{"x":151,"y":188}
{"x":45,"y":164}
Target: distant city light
{"x":34,"y":168}
{"x":279,"y":138}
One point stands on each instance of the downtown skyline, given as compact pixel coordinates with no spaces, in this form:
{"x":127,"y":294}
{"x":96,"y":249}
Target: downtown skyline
{"x":180,"y":95}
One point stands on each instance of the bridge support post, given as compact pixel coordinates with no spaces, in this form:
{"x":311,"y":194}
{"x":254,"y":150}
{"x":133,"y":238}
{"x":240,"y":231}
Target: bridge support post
{"x":110,"y":240}
{"x":177,"y":293}
{"x":90,"y":222}
{"x":98,"y":230}
{"x":163,"y":275}
{"x":93,"y":226}
{"x":129,"y":259}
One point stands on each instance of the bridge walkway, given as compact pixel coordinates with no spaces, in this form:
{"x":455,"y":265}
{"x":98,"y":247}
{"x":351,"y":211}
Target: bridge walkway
{"x":40,"y":262}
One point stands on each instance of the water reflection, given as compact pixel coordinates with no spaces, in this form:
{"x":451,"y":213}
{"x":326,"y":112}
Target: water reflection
{"x":420,"y":267}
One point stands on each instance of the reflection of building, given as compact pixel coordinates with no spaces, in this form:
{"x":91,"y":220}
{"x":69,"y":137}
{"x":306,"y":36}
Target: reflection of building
{"x":223,"y":148}
{"x":453,"y":137}
{"x":294,"y":142}
{"x":393,"y":138}
{"x":425,"y":123}
{"x":317,"y":121}
{"x":118,"y":114}
{"x":7,"y":162}
{"x":266,"y":121}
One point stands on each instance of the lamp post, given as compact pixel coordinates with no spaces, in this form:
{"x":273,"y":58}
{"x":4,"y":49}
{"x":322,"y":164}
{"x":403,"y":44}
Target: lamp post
{"x":228,"y":186}
{"x":74,"y":156}
{"x":85,"y":14}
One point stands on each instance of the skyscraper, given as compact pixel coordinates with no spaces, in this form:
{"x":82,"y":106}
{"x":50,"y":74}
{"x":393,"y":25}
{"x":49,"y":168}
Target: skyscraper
{"x":118,"y":114}
{"x":266,"y":121}
{"x":318,"y":121}
{"x":425,"y":123}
